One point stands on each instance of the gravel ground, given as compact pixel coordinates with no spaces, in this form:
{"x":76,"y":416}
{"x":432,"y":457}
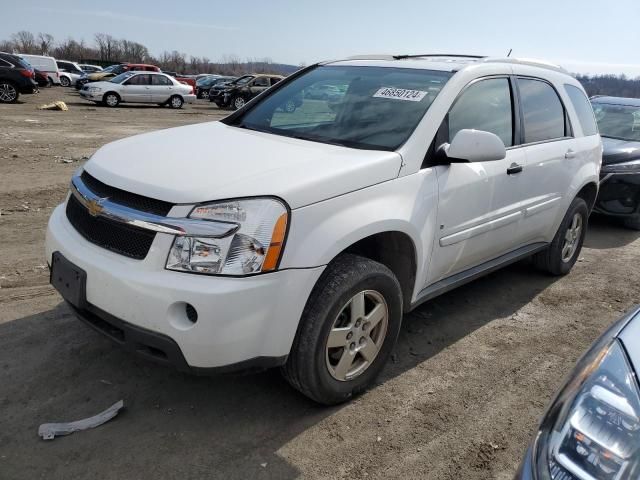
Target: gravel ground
{"x":472,"y":373}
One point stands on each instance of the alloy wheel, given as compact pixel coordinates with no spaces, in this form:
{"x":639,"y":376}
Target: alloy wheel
{"x":357,"y":335}
{"x":572,"y":238}
{"x":8,"y":93}
{"x":238,"y":102}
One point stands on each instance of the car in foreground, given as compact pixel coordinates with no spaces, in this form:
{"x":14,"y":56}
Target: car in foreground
{"x":69,"y":72}
{"x":16,"y":77}
{"x":299,"y":239}
{"x":139,"y":87}
{"x":591,"y":431}
{"x":619,"y":124}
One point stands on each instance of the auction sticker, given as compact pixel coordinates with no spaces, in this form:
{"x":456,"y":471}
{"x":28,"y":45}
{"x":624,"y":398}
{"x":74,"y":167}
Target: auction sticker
{"x":400,"y":94}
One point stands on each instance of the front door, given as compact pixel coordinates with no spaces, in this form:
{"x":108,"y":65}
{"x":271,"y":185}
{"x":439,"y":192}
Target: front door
{"x":479,"y":210}
{"x":137,"y":88}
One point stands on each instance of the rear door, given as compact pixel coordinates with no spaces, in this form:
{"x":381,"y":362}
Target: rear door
{"x":137,"y":89}
{"x":550,"y":149}
{"x":479,"y":210}
{"x":161,"y":88}
{"x":259,"y":85}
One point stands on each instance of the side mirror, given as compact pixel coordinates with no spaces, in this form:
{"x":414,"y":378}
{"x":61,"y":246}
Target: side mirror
{"x":474,"y":146}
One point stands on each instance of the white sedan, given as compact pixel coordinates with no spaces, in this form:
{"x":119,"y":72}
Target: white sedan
{"x":139,"y":87}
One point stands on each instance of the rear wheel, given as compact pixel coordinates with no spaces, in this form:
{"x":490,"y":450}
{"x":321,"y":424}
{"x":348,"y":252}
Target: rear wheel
{"x":111,"y":99}
{"x":65,"y":82}
{"x":8,"y":92}
{"x":176,"y":101}
{"x":347,"y":331}
{"x":205,"y":94}
{"x":561,"y":255}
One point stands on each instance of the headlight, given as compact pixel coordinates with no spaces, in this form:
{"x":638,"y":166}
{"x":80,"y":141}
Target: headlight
{"x":94,"y":89}
{"x":593,"y":429}
{"x":255,"y":247}
{"x":624,"y":167}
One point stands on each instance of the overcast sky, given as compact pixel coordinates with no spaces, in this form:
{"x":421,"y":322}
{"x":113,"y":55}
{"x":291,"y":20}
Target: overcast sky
{"x":586,"y":36}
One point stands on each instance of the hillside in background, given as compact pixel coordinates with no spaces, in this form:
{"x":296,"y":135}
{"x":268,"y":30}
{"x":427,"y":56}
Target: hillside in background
{"x":610,"y":85}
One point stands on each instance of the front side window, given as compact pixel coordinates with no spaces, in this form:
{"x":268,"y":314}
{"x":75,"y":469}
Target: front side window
{"x":486,"y":105}
{"x":618,"y":121}
{"x":544,"y":117}
{"x":364,"y":107}
{"x":261,"y":82}
{"x":583,"y":108}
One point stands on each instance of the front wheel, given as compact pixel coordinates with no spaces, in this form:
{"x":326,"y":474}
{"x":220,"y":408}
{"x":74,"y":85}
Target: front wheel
{"x":238,"y":103}
{"x":111,"y":99}
{"x":8,"y":93}
{"x":562,"y":254}
{"x":176,"y":102}
{"x":348,"y":329}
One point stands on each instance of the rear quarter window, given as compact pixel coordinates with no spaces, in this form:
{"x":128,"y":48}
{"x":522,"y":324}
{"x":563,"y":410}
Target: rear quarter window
{"x":583,"y":109}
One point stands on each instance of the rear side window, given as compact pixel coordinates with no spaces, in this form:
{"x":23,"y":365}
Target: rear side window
{"x":544,"y":117}
{"x":485,"y":105}
{"x":160,"y":80}
{"x":583,"y":108}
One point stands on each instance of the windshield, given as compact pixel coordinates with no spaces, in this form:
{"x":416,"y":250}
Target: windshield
{"x":618,"y":121}
{"x":362,"y":107}
{"x":243,"y":80}
{"x":121,"y":78}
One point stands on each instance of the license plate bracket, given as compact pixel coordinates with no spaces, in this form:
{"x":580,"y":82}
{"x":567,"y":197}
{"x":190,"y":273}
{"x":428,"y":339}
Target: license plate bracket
{"x":69,"y":280}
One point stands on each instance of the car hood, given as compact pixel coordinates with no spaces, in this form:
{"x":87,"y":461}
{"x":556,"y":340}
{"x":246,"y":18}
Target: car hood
{"x":617,"y":151}
{"x":214,"y":161}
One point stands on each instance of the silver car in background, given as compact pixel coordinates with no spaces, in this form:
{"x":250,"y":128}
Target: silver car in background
{"x":139,"y":87}
{"x":592,"y":429}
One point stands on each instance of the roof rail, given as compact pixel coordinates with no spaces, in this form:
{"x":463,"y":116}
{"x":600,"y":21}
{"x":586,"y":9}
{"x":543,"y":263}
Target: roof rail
{"x":371,"y":57}
{"x":527,"y":61}
{"x":450,"y":55}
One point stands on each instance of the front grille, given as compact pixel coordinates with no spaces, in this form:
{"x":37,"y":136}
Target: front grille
{"x":132,"y":200}
{"x":129,"y":241}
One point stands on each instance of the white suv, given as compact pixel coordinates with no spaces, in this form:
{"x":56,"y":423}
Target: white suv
{"x":298,"y":239}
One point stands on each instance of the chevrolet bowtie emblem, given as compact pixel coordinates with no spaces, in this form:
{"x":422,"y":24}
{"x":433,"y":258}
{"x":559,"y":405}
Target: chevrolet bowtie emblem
{"x":94,"y":207}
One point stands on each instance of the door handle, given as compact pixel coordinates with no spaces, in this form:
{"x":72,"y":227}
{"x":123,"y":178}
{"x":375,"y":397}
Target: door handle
{"x":514,"y":168}
{"x":570,"y":154}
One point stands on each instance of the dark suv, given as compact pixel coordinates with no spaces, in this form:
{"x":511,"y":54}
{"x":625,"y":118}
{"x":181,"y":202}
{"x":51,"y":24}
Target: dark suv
{"x":619,"y":124}
{"x":16,"y":77}
{"x":237,"y":93}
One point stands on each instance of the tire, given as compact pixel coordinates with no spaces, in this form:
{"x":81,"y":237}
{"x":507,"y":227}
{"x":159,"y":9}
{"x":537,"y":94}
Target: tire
{"x":65,"y":82}
{"x":8,"y":92}
{"x":562,"y":254}
{"x":316,"y":369}
{"x":204,"y":94}
{"x":237,"y":103}
{"x":111,"y":99}
{"x":632,"y":222}
{"x":176,"y":102}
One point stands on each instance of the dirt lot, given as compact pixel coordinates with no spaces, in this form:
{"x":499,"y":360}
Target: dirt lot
{"x":472,"y":372}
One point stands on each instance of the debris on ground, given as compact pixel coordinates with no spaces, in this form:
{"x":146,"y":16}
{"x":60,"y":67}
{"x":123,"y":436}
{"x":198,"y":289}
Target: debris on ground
{"x":54,"y":106}
{"x":48,"y":431}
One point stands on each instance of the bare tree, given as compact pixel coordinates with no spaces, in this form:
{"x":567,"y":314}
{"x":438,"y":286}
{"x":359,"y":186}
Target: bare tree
{"x":45,"y":43}
{"x":24,"y":42}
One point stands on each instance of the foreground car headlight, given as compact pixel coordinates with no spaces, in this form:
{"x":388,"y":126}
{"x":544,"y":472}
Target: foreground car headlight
{"x":256,"y":246}
{"x":93,"y":89}
{"x":624,"y":167}
{"x":592,"y":430}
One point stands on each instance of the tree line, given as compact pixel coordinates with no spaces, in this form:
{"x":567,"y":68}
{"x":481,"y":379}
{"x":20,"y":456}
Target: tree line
{"x":108,"y":50}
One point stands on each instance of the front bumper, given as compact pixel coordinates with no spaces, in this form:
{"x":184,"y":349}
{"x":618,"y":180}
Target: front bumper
{"x":619,"y":194}
{"x":242,"y":321}
{"x":95,"y":97}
